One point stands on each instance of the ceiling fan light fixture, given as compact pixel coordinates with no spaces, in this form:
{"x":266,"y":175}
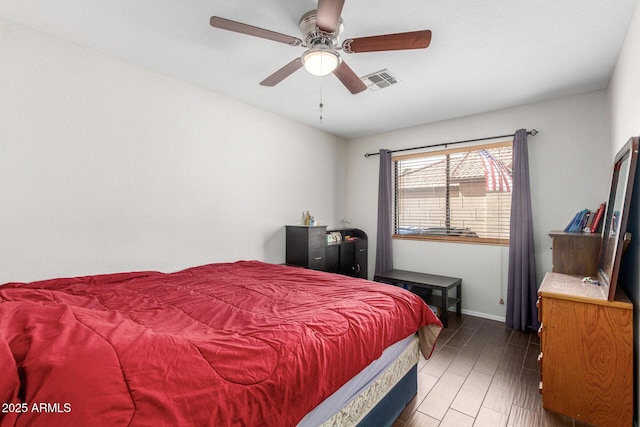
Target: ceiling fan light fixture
{"x":321,"y":60}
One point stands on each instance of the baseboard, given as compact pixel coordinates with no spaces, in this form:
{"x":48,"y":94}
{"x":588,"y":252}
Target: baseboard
{"x":478,"y":314}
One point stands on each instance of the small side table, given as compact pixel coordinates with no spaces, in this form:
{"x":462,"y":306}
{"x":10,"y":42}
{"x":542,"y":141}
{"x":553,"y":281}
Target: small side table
{"x":410,"y":279}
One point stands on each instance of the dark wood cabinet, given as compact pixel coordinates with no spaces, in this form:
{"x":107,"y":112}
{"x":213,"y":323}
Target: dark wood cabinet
{"x":575,"y":253}
{"x":306,"y":246}
{"x":313,"y":247}
{"x":352,"y":253}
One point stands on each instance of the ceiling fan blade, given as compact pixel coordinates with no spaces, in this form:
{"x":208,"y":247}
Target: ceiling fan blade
{"x":328,"y":14}
{"x":282,"y":73}
{"x":239,"y":27}
{"x":348,"y":78}
{"x":398,"y":41}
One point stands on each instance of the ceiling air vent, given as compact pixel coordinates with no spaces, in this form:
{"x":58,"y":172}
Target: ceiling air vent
{"x":379,"y":80}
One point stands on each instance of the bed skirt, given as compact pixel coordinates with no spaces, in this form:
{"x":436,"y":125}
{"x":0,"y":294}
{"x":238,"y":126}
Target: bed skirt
{"x":382,"y":401}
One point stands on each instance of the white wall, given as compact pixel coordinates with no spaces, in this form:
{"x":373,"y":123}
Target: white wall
{"x":569,"y":171}
{"x":623,"y":96}
{"x":105,"y":166}
{"x":623,"y":93}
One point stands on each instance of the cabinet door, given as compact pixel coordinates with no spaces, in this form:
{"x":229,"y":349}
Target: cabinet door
{"x":361,"y":257}
{"x":332,"y":258}
{"x":348,"y":258}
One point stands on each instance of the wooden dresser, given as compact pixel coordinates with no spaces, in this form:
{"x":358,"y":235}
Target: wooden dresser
{"x":586,"y":343}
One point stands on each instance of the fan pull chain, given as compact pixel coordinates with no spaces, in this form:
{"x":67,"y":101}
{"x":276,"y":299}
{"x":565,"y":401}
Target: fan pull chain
{"x":321,"y":105}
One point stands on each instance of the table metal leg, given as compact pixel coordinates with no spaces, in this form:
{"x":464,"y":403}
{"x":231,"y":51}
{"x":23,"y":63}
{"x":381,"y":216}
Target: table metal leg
{"x":444,"y":308}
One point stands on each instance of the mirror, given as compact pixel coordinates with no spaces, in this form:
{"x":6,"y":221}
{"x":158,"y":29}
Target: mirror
{"x":615,"y":221}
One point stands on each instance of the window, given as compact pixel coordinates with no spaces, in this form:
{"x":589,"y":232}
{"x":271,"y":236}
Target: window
{"x":460,"y":194}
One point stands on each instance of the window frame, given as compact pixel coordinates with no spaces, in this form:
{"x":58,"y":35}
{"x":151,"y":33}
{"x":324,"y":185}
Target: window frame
{"x":444,"y":238}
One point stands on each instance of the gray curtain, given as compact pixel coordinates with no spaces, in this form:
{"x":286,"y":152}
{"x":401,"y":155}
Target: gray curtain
{"x":522,"y":285}
{"x":384,"y":254}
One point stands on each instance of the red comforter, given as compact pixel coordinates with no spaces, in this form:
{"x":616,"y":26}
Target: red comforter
{"x":243,"y":343}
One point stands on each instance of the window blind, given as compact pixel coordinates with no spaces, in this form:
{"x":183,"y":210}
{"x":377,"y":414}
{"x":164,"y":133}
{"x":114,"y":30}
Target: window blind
{"x":462,"y":194}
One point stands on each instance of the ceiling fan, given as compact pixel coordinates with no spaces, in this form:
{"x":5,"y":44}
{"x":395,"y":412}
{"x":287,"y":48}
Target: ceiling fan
{"x":321,"y":29}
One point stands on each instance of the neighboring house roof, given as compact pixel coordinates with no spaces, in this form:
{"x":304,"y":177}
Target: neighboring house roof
{"x":464,"y":167}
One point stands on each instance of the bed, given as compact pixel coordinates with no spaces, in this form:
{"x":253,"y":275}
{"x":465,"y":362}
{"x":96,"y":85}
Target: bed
{"x":243,"y":343}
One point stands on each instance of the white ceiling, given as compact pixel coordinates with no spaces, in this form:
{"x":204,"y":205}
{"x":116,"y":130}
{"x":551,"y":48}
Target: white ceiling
{"x":484,"y":55}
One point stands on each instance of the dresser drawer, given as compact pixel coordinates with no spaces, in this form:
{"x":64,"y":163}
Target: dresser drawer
{"x":317,"y":258}
{"x":317,"y":237}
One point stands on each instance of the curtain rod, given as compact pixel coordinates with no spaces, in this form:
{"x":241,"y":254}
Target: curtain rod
{"x":531,"y":132}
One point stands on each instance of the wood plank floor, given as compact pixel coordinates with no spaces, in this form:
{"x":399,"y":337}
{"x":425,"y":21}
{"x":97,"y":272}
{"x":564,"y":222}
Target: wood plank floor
{"x":481,"y":374}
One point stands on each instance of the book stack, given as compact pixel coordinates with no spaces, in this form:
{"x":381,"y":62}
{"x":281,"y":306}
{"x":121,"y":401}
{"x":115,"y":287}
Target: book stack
{"x":586,"y":221}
